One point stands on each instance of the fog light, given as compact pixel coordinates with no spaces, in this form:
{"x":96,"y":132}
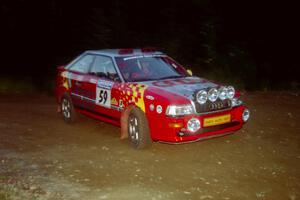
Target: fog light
{"x":246,"y":115}
{"x":193,"y":125}
{"x":180,"y":134}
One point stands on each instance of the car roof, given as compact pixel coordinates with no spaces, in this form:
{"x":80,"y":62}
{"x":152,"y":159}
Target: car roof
{"x":126,"y":52}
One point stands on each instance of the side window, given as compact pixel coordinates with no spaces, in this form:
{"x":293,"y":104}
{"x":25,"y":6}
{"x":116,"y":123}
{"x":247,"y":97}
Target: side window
{"x":104,"y":67}
{"x":83,"y":64}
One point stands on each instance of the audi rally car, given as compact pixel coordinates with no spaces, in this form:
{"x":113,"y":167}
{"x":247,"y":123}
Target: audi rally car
{"x":148,"y":94}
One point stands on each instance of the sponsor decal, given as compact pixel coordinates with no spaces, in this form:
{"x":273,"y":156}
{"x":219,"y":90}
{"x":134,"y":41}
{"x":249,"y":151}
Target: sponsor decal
{"x":213,"y":121}
{"x":94,"y":81}
{"x":151,"y":107}
{"x":143,"y":56}
{"x":105,"y":84}
{"x":159,"y":109}
{"x":114,"y":101}
{"x":149,"y":97}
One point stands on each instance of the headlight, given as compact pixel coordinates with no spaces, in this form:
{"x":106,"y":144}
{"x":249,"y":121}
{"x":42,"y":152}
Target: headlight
{"x":193,"y":125}
{"x":213,"y":94}
{"x":223,"y":93}
{"x":175,"y":110}
{"x":230,"y":92}
{"x":201,"y":97}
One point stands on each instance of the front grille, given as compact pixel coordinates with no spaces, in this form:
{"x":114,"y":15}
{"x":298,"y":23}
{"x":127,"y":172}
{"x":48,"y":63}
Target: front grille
{"x":212,"y":106}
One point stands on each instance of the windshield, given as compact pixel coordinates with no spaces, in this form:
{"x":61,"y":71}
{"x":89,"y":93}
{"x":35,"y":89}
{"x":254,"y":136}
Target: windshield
{"x":146,"y":68}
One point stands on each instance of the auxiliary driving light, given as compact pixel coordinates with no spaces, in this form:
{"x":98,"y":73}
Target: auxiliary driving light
{"x":223,"y":93}
{"x":193,"y":125}
{"x":230,"y":92}
{"x":202,"y":96}
{"x":213,"y":94}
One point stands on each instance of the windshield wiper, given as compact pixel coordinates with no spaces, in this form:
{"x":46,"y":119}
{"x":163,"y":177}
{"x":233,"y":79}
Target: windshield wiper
{"x":175,"y":76}
{"x":143,"y":79}
{"x":155,"y":79}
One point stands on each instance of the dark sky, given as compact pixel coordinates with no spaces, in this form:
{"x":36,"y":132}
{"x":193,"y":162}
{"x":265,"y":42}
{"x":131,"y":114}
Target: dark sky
{"x":257,"y":37}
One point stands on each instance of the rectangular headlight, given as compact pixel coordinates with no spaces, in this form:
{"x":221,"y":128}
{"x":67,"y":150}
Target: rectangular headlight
{"x":177,"y":110}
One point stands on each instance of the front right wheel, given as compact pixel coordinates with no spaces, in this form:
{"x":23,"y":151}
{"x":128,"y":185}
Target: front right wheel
{"x":67,"y":109}
{"x":138,"y":129}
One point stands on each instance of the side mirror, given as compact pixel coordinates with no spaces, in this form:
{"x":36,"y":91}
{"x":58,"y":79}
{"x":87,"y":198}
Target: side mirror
{"x":189,"y":71}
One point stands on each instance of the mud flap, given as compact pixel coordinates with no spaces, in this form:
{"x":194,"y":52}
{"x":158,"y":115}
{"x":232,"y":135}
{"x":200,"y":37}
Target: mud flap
{"x":124,"y":122}
{"x":58,"y":109}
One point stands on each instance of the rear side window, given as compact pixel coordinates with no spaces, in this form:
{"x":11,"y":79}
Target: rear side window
{"x":83,"y":64}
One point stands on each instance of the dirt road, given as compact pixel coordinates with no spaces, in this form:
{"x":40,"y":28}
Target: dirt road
{"x":41,"y":157}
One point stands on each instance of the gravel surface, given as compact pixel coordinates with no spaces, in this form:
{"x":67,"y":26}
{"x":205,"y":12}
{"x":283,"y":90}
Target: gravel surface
{"x":41,"y":157}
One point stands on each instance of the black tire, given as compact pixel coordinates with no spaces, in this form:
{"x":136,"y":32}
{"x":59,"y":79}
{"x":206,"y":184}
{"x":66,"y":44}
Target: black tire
{"x":67,"y":109}
{"x":138,"y":129}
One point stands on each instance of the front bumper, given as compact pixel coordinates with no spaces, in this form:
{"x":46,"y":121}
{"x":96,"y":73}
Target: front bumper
{"x":162,"y":131}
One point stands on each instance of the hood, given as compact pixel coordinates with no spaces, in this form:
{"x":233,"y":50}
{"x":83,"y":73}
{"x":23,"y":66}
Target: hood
{"x":185,"y":87}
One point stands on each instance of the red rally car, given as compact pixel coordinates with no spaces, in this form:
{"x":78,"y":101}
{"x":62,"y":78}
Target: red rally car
{"x":148,"y":94}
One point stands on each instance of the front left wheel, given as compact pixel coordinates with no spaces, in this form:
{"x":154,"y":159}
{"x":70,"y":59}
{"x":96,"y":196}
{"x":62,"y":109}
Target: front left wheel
{"x":138,"y":129}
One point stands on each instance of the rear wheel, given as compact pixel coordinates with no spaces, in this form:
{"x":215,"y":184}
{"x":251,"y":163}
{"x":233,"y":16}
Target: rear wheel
{"x":67,"y":110}
{"x":138,"y":129}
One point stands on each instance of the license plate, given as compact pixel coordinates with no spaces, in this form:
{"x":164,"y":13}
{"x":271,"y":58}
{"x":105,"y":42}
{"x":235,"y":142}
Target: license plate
{"x":213,"y":121}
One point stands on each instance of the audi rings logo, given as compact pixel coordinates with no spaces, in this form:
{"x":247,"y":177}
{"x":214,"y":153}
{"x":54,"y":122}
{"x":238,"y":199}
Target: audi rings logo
{"x":216,"y":105}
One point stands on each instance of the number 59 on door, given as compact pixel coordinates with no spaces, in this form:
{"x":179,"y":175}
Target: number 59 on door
{"x":103,"y":97}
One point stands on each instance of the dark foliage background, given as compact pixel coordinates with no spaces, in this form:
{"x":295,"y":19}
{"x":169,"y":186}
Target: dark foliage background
{"x":252,"y":44}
